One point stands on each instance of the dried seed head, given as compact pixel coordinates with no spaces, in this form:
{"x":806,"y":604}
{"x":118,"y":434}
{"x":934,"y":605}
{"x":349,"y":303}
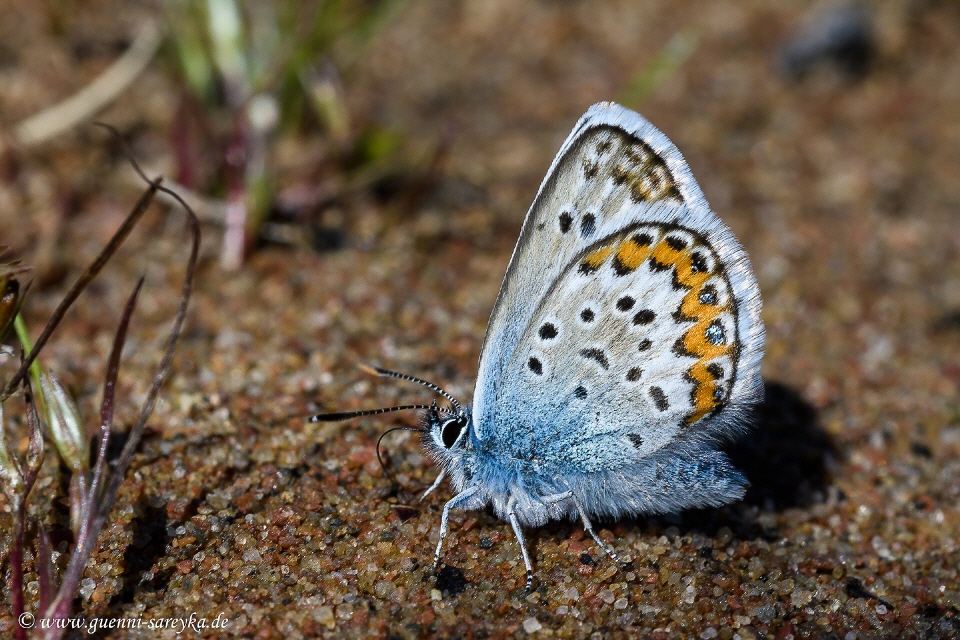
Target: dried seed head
{"x":66,"y":428}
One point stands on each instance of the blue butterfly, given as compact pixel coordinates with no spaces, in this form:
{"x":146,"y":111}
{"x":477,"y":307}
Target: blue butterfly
{"x":624,"y":345}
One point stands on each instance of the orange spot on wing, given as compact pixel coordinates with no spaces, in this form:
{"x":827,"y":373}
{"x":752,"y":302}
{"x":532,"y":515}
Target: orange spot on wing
{"x":631,"y":255}
{"x":704,"y":400}
{"x":667,"y":255}
{"x":597,"y":258}
{"x":628,"y":256}
{"x":695,"y":341}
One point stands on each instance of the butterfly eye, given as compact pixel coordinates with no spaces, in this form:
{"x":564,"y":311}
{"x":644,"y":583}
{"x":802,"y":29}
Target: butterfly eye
{"x":451,"y":431}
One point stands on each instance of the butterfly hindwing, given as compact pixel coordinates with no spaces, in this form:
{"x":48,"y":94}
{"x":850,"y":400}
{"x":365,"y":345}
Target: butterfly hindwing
{"x":628,"y":314}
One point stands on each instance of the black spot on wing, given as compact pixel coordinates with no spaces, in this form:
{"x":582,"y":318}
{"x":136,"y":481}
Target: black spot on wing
{"x":634,"y":374}
{"x":588,"y":224}
{"x":597,"y":355}
{"x":708,"y":295}
{"x":643,"y":239}
{"x":635,"y":439}
{"x":644,"y":345}
{"x":698,"y":263}
{"x":715,"y":370}
{"x":586,"y":268}
{"x":715,"y":334}
{"x":580,"y":392}
{"x":675,"y":281}
{"x":590,"y":169}
{"x":535,"y":365}
{"x":675,"y":243}
{"x":646,"y":316}
{"x":625,"y":303}
{"x":619,"y":268}
{"x":620,"y":175}
{"x":656,"y":265}
{"x":566,"y":220}
{"x":659,"y":398}
{"x":587,"y":315}
{"x":547,"y":331}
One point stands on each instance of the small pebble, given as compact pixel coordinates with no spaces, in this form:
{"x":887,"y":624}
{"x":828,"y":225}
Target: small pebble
{"x":324,"y":616}
{"x":531,"y":625}
{"x":87,"y":585}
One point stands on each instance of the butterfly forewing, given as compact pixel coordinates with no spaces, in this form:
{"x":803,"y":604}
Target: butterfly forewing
{"x":616,"y":326}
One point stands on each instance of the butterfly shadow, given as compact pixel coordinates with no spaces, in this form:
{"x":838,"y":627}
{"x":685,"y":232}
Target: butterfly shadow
{"x":785,"y":457}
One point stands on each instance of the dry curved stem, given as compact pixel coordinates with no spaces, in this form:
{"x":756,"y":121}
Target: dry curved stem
{"x":107,"y":405}
{"x":102,"y":485}
{"x":84,"y":104}
{"x":102,"y":503}
{"x":209,"y":210}
{"x":85,"y":279}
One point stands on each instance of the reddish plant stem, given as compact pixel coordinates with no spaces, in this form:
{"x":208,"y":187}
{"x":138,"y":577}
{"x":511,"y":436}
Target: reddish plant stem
{"x":100,"y":508}
{"x":85,"y":279}
{"x":45,"y":571}
{"x":34,"y":460}
{"x":235,"y":159}
{"x":106,"y":415}
{"x":16,"y":563}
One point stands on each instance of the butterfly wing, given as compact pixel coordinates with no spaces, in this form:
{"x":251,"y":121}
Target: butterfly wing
{"x":628,"y":315}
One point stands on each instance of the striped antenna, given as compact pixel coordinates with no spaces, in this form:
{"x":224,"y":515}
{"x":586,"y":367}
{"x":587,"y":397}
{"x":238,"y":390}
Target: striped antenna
{"x":336,"y":417}
{"x":377,"y":371}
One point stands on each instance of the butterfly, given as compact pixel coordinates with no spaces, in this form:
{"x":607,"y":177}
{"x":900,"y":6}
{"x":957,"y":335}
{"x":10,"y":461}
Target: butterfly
{"x":623,"y":347}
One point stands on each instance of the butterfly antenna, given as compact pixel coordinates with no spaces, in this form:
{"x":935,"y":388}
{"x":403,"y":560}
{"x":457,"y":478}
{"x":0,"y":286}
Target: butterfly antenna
{"x":403,"y":376}
{"x":380,"y":439}
{"x":346,"y":415}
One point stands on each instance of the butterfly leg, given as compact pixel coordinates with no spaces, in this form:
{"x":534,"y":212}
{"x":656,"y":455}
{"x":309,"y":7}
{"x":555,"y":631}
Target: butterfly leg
{"x":589,"y":528}
{"x":557,"y":497}
{"x":444,"y":520}
{"x":515,"y":523}
{"x":436,"y":483}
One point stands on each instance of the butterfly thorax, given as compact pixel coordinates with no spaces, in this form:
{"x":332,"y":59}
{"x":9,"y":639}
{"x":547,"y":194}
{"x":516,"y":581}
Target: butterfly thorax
{"x":522,"y":478}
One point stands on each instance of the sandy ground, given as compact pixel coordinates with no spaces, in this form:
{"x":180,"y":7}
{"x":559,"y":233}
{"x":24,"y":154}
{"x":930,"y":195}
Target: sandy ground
{"x":843,"y":190}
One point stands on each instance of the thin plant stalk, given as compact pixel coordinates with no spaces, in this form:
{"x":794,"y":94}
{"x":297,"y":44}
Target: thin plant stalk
{"x":23,"y":336}
{"x":85,"y":279}
{"x":45,"y":572}
{"x":106,"y":418}
{"x":86,"y":537}
{"x":99,"y":506}
{"x":29,"y":476}
{"x":107,"y":405}
{"x":101,"y":486}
